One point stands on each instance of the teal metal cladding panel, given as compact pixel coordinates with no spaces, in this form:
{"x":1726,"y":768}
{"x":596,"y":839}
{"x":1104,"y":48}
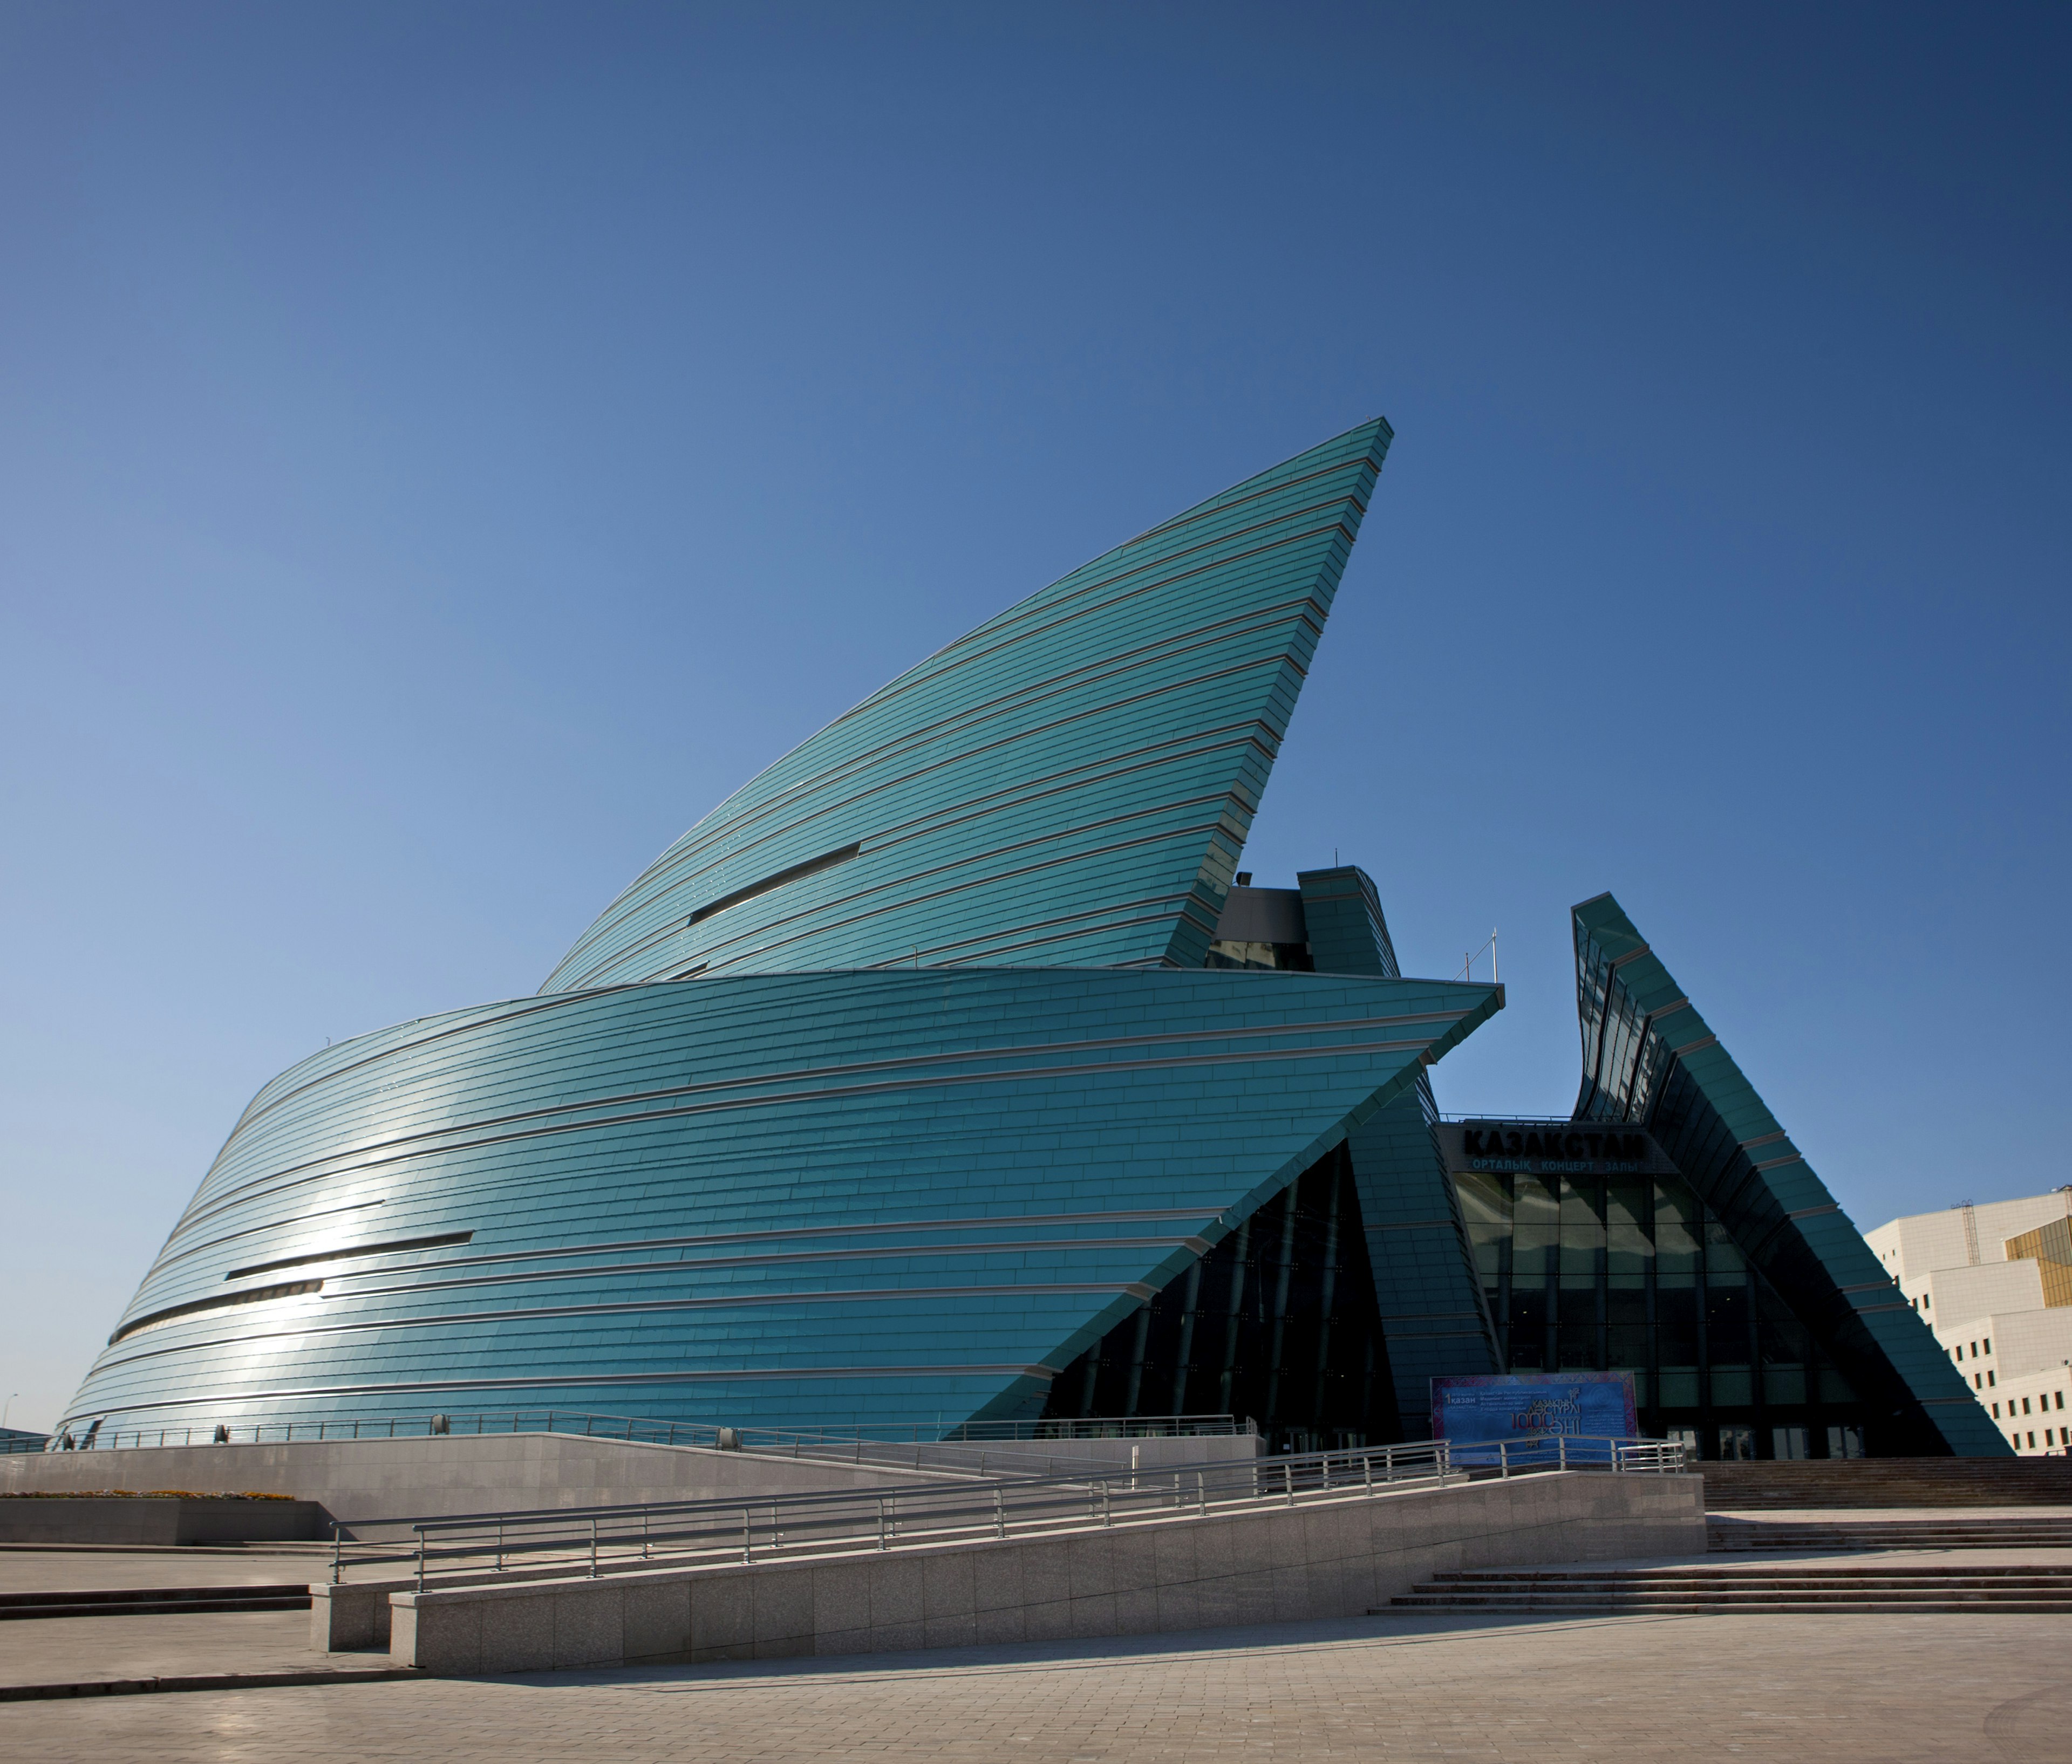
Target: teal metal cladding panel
{"x":1070,"y":784}
{"x":888,"y":1197}
{"x":1434,"y":1316}
{"x":1649,"y":1058}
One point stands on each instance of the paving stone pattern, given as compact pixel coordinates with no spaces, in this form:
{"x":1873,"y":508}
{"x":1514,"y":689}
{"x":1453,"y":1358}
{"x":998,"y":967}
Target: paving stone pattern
{"x":86,"y":1650}
{"x":1981,"y":1690}
{"x":75,"y":1570}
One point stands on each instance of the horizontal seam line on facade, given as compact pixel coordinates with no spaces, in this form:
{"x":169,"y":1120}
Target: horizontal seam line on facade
{"x":794,"y":1074}
{"x":659,"y":883}
{"x":710,"y":1264}
{"x":1035,"y":692}
{"x":1006,"y":640}
{"x":956,"y":659}
{"x":1010,"y":1052}
{"x":837,"y":1231}
{"x":980,"y":950}
{"x":826,"y":927}
{"x":1103,"y":769}
{"x":596,"y":939}
{"x":518,"y":1008}
{"x":647,"y":902}
{"x":866,"y":1295}
{"x":581,"y":1378}
{"x":1178,"y":527}
{"x":232,"y":1237}
{"x":811,"y":921}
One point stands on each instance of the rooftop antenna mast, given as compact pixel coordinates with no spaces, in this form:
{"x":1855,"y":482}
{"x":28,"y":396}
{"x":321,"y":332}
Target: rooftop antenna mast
{"x":1468,"y":963}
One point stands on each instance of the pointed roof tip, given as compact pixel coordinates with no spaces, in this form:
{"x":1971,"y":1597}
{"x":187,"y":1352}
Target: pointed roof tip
{"x":1377,"y":426}
{"x":971,"y":732}
{"x":1606,"y":896}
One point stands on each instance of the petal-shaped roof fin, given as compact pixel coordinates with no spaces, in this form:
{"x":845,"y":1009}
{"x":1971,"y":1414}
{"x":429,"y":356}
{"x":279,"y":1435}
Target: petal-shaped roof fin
{"x":1069,"y":786}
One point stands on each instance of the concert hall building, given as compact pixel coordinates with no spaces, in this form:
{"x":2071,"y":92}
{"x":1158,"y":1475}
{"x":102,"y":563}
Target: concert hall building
{"x":950,"y":1070}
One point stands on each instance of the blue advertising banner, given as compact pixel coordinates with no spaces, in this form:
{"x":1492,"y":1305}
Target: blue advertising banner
{"x":1511,"y":1408}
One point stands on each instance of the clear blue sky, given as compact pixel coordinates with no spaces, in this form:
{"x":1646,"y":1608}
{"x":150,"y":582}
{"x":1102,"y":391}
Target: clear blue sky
{"x":444,"y":449}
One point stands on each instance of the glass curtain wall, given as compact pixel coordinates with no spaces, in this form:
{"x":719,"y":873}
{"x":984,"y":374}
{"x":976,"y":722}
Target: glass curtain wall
{"x":1632,"y":1274}
{"x":1278,"y":1323}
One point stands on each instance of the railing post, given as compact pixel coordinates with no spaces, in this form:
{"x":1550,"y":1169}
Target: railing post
{"x":1288,"y":1479}
{"x":500,"y":1546}
{"x":881,"y":1524}
{"x":1103,"y":1501}
{"x":419,"y":1531}
{"x":747,"y":1535}
{"x":337,"y":1554}
{"x":1202,"y":1491}
{"x":645,"y":1554}
{"x":1560,"y":1451}
{"x":1366,"y":1468}
{"x":999,"y":1511}
{"x":593,"y":1548}
{"x":1503,"y":1457}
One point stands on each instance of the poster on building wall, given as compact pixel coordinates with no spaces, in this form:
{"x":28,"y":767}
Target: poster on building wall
{"x":1475,"y":1414}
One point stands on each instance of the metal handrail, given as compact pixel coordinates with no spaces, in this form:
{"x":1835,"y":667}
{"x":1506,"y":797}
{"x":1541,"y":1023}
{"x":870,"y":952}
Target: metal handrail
{"x":845,"y":1447}
{"x":1570,"y":1451}
{"x":593,"y":1540}
{"x":1103,"y":1427}
{"x":854,"y":1443}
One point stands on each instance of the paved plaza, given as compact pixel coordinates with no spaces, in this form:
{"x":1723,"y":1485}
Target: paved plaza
{"x":1981,"y":1689}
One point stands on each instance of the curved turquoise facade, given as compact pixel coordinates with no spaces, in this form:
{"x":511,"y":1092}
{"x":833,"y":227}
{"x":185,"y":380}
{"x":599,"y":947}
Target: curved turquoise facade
{"x":898,"y":1081}
{"x":1070,"y":784}
{"x":774,"y":1198}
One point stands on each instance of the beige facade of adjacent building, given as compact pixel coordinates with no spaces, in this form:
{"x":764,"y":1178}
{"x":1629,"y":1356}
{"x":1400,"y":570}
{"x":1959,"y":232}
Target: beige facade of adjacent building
{"x":1994,"y":1281}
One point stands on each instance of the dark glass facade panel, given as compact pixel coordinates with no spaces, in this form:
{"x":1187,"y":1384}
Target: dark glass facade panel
{"x":1632,"y":1274}
{"x":1291,"y":957}
{"x":1277,"y":1323}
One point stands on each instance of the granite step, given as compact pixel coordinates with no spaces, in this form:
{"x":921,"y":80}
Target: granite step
{"x":1930,"y":1587}
{"x":153,"y":1601}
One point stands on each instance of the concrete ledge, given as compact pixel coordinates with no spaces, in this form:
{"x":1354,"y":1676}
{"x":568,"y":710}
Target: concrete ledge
{"x":1332,"y":1558}
{"x":139,"y":1519}
{"x":357,"y":1481}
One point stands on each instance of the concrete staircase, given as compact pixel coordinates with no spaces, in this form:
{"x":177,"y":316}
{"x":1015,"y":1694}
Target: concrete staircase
{"x":1733,"y":1534}
{"x":1889,"y":1482}
{"x":1586,"y":1592}
{"x":154,"y":1601}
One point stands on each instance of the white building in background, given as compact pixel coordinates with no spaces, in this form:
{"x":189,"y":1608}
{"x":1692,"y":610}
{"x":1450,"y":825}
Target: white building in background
{"x":1995,"y":1283}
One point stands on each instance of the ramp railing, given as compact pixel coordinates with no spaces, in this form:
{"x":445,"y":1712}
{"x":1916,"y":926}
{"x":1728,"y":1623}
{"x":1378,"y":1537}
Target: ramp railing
{"x":597,"y":1540}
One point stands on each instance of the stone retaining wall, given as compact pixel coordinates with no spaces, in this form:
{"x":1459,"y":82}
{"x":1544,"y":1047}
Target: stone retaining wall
{"x":358,"y":1480}
{"x":1333,"y":1558}
{"x":120,"y":1520}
